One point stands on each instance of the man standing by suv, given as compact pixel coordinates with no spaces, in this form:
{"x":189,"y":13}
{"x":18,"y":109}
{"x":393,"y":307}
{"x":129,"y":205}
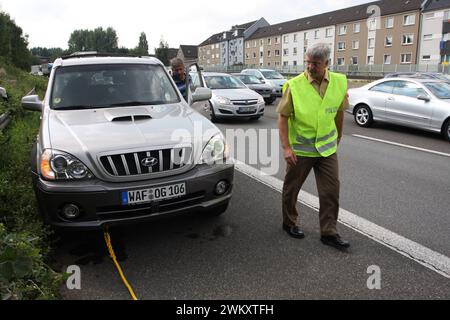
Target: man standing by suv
{"x":179,"y":76}
{"x":310,"y":122}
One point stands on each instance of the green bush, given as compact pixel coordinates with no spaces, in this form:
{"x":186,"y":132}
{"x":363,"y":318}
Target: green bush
{"x":23,"y":274}
{"x":24,"y":244}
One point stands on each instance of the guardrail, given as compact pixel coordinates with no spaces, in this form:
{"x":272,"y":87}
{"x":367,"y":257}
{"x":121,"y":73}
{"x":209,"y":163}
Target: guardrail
{"x":4,"y":120}
{"x":352,"y":71}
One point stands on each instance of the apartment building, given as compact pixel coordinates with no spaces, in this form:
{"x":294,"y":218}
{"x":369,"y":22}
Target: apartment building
{"x":381,"y":33}
{"x":209,"y":51}
{"x":435,"y":33}
{"x":230,"y":45}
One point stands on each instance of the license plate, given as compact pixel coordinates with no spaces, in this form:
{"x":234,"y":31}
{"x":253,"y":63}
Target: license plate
{"x":153,"y":194}
{"x":247,"y":109}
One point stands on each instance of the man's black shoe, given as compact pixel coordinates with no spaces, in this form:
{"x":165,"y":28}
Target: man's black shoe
{"x":294,"y":231}
{"x":335,"y":241}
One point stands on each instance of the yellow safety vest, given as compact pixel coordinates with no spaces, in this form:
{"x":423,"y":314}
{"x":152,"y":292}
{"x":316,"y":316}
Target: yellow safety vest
{"x":312,"y":128}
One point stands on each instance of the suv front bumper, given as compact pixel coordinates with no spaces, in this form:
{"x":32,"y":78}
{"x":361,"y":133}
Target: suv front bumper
{"x":100,"y":202}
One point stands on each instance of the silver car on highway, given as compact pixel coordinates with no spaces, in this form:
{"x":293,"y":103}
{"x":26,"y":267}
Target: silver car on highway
{"x":118,"y":144}
{"x":417,"y":103}
{"x":230,"y":97}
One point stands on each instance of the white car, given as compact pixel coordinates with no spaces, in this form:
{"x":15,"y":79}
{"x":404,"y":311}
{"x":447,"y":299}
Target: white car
{"x":417,"y":103}
{"x":272,"y":77}
{"x":231,"y":98}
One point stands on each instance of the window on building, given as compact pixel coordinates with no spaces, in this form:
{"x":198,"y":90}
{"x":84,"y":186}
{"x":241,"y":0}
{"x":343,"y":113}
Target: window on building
{"x":285,"y":52}
{"x":342,"y":30}
{"x":429,"y":16}
{"x":356,"y":27}
{"x":294,"y":51}
{"x":341,"y":46}
{"x":388,"y":41}
{"x":277,"y":53}
{"x":247,"y":56}
{"x":329,"y":32}
{"x":285,"y":63}
{"x":254,"y":44}
{"x":370,"y":60}
{"x":261,"y":42}
{"x":409,"y":20}
{"x":447,"y":15}
{"x":406,"y":58}
{"x":269,"y":54}
{"x":355,"y":44}
{"x":277,"y":40}
{"x":254,"y":55}
{"x":371,"y":43}
{"x":269,"y":41}
{"x":305,"y":36}
{"x":286,"y":39}
{"x":295,"y":37}
{"x":428,"y":37}
{"x":316,"y":34}
{"x":408,"y":39}
{"x":295,"y":63}
{"x":426,"y":58}
{"x":387,"y":59}
{"x":354,"y":60}
{"x":372,"y":24}
{"x":389,"y":22}
{"x":247,"y":45}
{"x":340,"y":61}
{"x":217,"y":46}
{"x":261,"y":54}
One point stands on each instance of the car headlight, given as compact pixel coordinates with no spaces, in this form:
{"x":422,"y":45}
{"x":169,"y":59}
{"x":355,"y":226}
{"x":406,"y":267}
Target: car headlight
{"x":260,"y":100}
{"x":223,"y":100}
{"x":216,"y":150}
{"x":58,"y":165}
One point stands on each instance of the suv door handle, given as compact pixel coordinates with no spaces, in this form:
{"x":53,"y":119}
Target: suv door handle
{"x":391,"y":99}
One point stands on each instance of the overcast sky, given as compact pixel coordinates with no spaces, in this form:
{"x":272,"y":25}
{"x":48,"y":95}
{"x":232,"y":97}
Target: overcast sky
{"x":49,"y":23}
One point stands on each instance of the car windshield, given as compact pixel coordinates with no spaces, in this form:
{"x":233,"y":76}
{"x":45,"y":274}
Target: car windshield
{"x":111,"y":85}
{"x":439,"y":89}
{"x":272,"y":75}
{"x":248,"y":79}
{"x":441,"y":76}
{"x":223,"y":82}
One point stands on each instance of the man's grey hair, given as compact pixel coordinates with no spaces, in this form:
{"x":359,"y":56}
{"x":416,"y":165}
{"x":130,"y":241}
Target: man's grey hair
{"x":320,"y":51}
{"x":177,"y":62}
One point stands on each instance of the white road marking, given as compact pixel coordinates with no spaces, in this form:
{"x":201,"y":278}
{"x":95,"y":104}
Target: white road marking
{"x":403,"y":145}
{"x":410,"y":249}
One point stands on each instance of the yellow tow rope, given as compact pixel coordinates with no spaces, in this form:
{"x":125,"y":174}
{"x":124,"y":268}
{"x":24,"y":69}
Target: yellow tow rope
{"x":113,"y":257}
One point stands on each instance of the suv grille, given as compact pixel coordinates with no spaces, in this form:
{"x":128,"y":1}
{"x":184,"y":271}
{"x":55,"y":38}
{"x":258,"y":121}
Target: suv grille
{"x":146,"y":162}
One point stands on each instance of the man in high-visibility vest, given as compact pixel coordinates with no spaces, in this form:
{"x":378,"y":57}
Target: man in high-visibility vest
{"x":311,"y":114}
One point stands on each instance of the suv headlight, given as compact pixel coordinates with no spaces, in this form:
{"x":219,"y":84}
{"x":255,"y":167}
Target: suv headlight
{"x":216,"y":150}
{"x":260,"y":100}
{"x":58,"y":165}
{"x":223,"y":100}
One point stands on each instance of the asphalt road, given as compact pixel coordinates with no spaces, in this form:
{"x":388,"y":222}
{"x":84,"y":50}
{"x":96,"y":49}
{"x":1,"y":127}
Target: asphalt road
{"x":244,"y":254}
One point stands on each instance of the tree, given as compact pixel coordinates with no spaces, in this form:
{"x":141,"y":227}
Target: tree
{"x":162,"y":52}
{"x":94,"y":40}
{"x":13,"y":43}
{"x":142,"y":48}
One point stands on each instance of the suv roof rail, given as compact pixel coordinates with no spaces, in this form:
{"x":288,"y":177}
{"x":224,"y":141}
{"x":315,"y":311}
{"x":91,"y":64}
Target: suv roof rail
{"x":89,"y":54}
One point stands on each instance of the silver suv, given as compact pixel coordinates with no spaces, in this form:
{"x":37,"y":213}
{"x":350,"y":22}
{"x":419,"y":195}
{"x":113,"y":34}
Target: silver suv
{"x":118,"y":143}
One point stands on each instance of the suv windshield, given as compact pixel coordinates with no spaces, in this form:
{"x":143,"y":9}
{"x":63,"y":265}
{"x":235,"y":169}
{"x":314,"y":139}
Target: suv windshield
{"x":439,"y":89}
{"x":223,"y":82}
{"x":111,"y":85}
{"x":272,"y":75}
{"x":248,"y":79}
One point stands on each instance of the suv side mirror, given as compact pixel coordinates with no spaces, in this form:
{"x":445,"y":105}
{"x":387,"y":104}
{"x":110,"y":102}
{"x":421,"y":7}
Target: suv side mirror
{"x":201,"y":94}
{"x":32,"y":103}
{"x":424,"y":98}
